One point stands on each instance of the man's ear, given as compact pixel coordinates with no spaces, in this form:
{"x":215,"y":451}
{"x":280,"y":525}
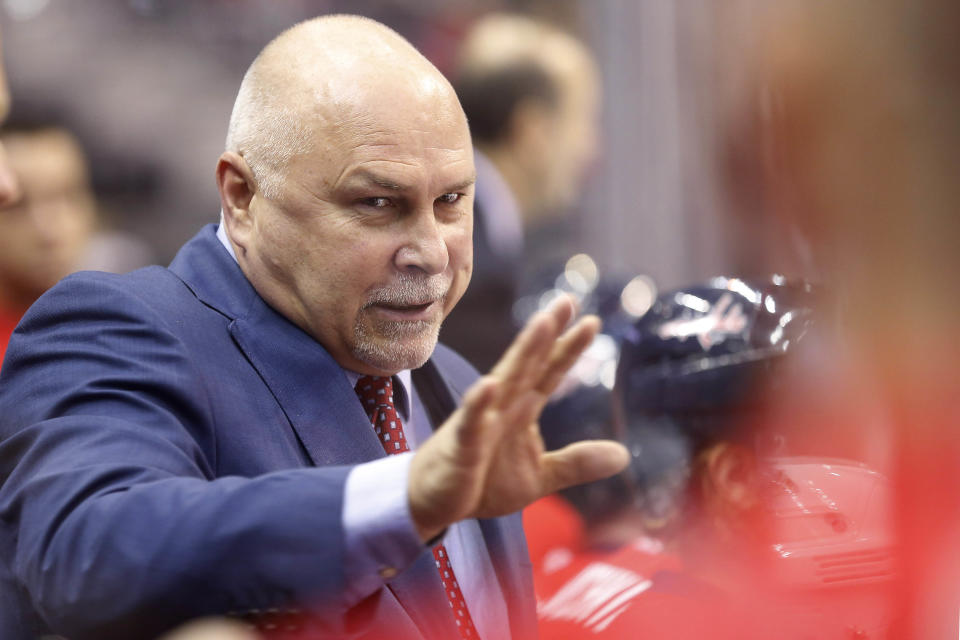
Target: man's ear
{"x":237,"y":186}
{"x":730,"y":479}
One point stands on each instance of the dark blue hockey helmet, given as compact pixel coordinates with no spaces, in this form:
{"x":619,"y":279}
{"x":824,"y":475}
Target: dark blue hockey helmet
{"x":699,"y":350}
{"x":691,"y":369}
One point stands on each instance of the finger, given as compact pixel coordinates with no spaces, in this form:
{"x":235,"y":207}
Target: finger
{"x":523,"y":412}
{"x":471,"y":425}
{"x":583,"y":461}
{"x":566,"y":350}
{"x":553,"y":319}
{"x":520,"y":367}
{"x":563,"y":308}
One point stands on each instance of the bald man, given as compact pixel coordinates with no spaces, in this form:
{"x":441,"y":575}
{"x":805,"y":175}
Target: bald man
{"x":191,"y":441}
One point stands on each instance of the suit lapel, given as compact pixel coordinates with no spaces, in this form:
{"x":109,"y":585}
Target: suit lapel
{"x":310,"y":387}
{"x":306,"y":382}
{"x":419,"y":591}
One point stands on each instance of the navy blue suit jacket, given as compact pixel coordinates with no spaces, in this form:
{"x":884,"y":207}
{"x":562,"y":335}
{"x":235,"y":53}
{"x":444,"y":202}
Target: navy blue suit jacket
{"x":172,"y":447}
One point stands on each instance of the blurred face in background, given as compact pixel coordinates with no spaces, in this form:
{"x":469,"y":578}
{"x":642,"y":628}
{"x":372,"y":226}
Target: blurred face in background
{"x":45,"y":229}
{"x":555,"y":145}
{"x":574,"y":130}
{"x":8,"y":182}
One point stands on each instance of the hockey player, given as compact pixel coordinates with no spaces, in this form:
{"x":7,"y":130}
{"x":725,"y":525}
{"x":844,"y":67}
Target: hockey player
{"x":729,"y":540}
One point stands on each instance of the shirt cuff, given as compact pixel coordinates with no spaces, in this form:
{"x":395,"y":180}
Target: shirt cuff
{"x":380,"y":537}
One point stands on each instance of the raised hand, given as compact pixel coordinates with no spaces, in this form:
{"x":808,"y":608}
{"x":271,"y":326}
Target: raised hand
{"x":488,"y":458}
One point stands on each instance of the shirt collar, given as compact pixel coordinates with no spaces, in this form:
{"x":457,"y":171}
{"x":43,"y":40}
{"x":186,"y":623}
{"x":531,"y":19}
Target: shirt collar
{"x":224,"y":240}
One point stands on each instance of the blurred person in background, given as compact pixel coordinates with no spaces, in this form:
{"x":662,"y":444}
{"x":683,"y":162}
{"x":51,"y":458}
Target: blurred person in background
{"x":8,"y":181}
{"x":847,"y":128}
{"x":46,"y":228}
{"x":9,"y":189}
{"x":531,"y":94}
{"x":710,"y":532}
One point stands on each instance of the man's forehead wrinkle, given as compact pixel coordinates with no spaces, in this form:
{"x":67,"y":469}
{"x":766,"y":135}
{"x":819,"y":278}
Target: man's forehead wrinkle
{"x":362,"y":175}
{"x":353,"y":172}
{"x":373,"y":171}
{"x":376,"y":145}
{"x":366,"y":127}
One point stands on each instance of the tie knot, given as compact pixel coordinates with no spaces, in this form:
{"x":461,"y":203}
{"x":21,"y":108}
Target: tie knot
{"x":374,"y":391}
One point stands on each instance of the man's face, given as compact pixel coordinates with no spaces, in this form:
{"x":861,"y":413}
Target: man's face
{"x":44,"y":231}
{"x":370,"y":244}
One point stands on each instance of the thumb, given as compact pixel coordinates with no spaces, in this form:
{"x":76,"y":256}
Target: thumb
{"x":582,"y":462}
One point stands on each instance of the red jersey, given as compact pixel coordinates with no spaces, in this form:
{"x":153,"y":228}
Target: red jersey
{"x":828,"y":577}
{"x":552,"y":526}
{"x":635,"y":592}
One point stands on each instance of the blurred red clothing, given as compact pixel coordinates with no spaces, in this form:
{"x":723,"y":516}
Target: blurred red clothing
{"x":551,"y":524}
{"x":634,"y":592}
{"x":8,"y":322}
{"x":822,"y":569}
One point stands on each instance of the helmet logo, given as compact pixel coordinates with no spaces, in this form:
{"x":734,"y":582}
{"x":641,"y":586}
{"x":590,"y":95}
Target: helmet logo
{"x":723,"y":320}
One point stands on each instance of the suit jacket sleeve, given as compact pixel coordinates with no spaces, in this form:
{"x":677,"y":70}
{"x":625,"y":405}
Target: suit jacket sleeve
{"x":111,"y":512}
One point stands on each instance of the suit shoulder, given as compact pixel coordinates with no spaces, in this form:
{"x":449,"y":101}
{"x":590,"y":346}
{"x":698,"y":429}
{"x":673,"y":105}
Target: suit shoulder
{"x":143,"y":281}
{"x":149,"y":288}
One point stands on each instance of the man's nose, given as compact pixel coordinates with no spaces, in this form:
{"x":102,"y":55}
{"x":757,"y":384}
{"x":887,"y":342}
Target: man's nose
{"x":425,"y":246}
{"x":9,"y":185}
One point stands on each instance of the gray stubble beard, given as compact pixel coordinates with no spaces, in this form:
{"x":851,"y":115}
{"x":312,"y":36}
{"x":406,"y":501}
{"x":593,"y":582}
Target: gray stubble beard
{"x":386,"y":345}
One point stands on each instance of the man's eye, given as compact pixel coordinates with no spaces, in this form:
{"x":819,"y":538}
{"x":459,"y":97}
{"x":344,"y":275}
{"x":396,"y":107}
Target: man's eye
{"x":450,"y":198}
{"x":376,"y":203}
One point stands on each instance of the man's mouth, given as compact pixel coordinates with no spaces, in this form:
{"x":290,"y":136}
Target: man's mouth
{"x":407,"y":307}
{"x":406,"y":312}
{"x":410,"y":300}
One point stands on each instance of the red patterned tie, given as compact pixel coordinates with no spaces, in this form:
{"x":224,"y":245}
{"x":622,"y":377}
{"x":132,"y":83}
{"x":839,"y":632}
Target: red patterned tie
{"x":376,"y":393}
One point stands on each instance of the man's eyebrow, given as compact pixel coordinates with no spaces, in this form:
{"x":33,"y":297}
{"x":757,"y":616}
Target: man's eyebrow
{"x":463,"y":184}
{"x":364,"y":175}
{"x":375,"y":179}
